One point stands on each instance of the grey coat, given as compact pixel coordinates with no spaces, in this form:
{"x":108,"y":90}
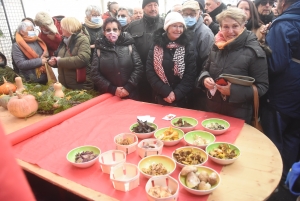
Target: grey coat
{"x":27,"y":66}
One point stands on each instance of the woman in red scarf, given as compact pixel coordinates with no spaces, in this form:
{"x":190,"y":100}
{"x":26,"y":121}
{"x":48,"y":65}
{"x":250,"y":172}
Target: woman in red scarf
{"x":30,"y":54}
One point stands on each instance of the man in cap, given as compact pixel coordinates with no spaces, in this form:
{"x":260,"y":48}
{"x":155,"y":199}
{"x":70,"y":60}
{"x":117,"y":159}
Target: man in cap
{"x":264,"y":8}
{"x":49,"y":32}
{"x":213,"y":8}
{"x":142,"y":30}
{"x":203,"y":39}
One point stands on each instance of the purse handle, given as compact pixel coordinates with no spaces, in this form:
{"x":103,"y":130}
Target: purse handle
{"x":256,"y":105}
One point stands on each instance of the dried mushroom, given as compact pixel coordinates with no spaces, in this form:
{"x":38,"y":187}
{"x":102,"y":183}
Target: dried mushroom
{"x":198,"y":140}
{"x":155,"y":169}
{"x":223,"y":152}
{"x":188,"y":156}
{"x":169,"y":135}
{"x":182,"y":123}
{"x":125,"y":141}
{"x":159,"y":192}
{"x":143,"y":127}
{"x":215,"y":126}
{"x":85,"y":156}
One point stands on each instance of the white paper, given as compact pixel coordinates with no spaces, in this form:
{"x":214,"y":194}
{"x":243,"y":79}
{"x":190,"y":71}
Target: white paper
{"x":169,"y":117}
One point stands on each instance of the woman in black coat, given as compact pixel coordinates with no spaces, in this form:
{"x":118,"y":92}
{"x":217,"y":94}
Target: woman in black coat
{"x":171,"y":67}
{"x":236,"y":51}
{"x":116,"y":66}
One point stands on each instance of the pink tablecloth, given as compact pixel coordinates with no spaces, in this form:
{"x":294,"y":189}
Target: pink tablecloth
{"x":97,"y":126}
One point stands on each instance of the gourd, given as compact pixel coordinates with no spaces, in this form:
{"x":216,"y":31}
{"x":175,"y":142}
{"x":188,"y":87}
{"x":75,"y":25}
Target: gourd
{"x":6,"y":86}
{"x":22,"y":106}
{"x":58,"y":90}
{"x":19,"y":84}
{"x":4,"y":99}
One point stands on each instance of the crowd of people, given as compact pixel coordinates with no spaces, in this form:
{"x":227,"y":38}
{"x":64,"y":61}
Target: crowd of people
{"x":135,"y":53}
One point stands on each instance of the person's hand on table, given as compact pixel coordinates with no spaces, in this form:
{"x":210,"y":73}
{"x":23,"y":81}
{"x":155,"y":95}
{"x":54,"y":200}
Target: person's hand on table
{"x":121,"y":92}
{"x":170,"y":98}
{"x":124,"y":93}
{"x":225,"y":90}
{"x":209,"y":83}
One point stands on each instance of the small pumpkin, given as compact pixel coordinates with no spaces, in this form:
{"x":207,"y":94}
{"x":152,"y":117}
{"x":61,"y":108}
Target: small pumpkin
{"x":4,"y":99}
{"x":58,"y":90}
{"x":22,"y":106}
{"x":4,"y":88}
{"x":19,"y":83}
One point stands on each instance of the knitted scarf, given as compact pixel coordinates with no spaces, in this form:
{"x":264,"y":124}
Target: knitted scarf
{"x":178,"y":59}
{"x":92,"y":25}
{"x":221,"y":42}
{"x":28,"y":51}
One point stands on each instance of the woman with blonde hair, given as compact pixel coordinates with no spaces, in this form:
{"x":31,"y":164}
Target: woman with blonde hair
{"x":72,"y":56}
{"x":236,"y":51}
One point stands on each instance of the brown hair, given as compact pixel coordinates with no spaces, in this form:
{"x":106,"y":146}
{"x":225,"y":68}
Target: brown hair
{"x":254,"y":17}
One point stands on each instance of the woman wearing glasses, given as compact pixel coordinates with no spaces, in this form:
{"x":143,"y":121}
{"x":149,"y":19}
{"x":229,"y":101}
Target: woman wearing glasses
{"x":116,"y":66}
{"x":171,"y":67}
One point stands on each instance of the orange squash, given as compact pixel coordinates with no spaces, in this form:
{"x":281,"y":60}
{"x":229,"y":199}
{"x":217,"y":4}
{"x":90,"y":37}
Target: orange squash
{"x":22,"y":106}
{"x":7,"y":86}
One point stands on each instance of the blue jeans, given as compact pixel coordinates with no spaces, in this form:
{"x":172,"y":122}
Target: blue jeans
{"x":284,"y":132}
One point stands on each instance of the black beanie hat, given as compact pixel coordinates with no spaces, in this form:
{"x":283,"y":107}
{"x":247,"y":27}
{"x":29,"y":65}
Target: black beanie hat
{"x":257,"y":2}
{"x":145,"y":2}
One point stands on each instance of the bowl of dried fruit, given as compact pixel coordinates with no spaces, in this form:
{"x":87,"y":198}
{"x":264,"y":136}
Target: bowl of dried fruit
{"x":126,"y":142}
{"x":148,"y":147}
{"x":186,"y":124}
{"x":170,"y":136}
{"x":143,"y":129}
{"x":156,"y":165}
{"x":199,"y":180}
{"x":223,"y":153}
{"x":189,"y":156}
{"x":162,"y":188}
{"x":83,"y":156}
{"x":215,"y":126}
{"x":199,"y":138}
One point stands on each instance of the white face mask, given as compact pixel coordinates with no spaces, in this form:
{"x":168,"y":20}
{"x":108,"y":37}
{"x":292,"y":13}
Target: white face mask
{"x":31,"y":33}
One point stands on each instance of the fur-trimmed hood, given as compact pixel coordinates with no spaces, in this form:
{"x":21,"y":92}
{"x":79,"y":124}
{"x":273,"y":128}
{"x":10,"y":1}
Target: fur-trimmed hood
{"x":160,"y":38}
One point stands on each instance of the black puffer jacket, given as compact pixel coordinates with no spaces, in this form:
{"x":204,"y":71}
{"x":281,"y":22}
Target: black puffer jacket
{"x":117,"y":66}
{"x":94,"y":35}
{"x":243,"y":56}
{"x":214,"y":26}
{"x":180,"y":87}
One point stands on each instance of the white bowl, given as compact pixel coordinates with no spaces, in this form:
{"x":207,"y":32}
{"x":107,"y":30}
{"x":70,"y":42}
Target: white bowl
{"x":222,"y":122}
{"x":111,"y":158}
{"x":166,"y":161}
{"x":163,"y":181}
{"x":215,"y":145}
{"x":144,"y":151}
{"x":181,"y":180}
{"x":195,"y":149}
{"x":143,"y":135}
{"x":159,"y":132}
{"x":71,"y":155}
{"x":126,"y":148}
{"x":190,"y":120}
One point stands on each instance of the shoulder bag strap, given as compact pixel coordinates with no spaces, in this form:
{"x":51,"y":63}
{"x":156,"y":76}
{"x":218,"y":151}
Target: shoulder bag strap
{"x":255,"y":105}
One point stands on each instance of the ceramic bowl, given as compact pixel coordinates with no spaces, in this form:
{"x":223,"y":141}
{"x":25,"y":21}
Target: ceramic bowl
{"x":160,"y":133}
{"x":212,"y":121}
{"x":111,"y":158}
{"x":149,"y":147}
{"x":143,"y":135}
{"x":71,"y":155}
{"x":126,"y":148}
{"x":216,"y":145}
{"x":195,"y":138}
{"x":182,"y":181}
{"x":164,"y":182}
{"x":167,"y":162}
{"x":190,"y":120}
{"x":200,"y":152}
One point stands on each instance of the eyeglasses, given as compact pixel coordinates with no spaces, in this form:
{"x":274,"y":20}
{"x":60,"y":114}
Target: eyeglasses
{"x":123,"y":16}
{"x":114,"y":30}
{"x":177,"y":26}
{"x":189,"y":14}
{"x":263,"y":3}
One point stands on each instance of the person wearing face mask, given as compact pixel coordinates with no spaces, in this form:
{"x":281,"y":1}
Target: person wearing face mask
{"x":203,"y":40}
{"x":93,"y":24}
{"x":142,"y":30}
{"x":124,"y":16}
{"x":72,"y":58}
{"x":236,"y":51}
{"x":30,"y":54}
{"x":116,"y":66}
{"x":112,"y":8}
{"x":171,"y":63}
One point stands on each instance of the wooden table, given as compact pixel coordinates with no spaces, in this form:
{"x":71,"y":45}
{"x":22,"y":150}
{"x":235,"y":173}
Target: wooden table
{"x":252,"y":177}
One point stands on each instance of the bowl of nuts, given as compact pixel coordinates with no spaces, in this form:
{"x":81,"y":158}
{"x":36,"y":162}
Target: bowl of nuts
{"x":83,"y":156}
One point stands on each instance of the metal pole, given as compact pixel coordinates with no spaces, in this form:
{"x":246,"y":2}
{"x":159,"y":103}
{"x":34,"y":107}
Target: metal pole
{"x":11,"y":36}
{"x":23,"y":8}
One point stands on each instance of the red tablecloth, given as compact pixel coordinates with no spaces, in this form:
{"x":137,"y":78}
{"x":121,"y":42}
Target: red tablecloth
{"x":97,"y":126}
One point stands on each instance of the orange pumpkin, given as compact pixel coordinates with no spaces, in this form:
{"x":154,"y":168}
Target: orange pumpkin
{"x":22,"y":106}
{"x":6,"y":87}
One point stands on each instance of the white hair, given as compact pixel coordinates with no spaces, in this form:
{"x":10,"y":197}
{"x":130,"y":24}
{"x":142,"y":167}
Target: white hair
{"x":89,"y":9}
{"x":23,"y":26}
{"x":175,"y":6}
{"x":220,"y":1}
{"x":129,"y":11}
